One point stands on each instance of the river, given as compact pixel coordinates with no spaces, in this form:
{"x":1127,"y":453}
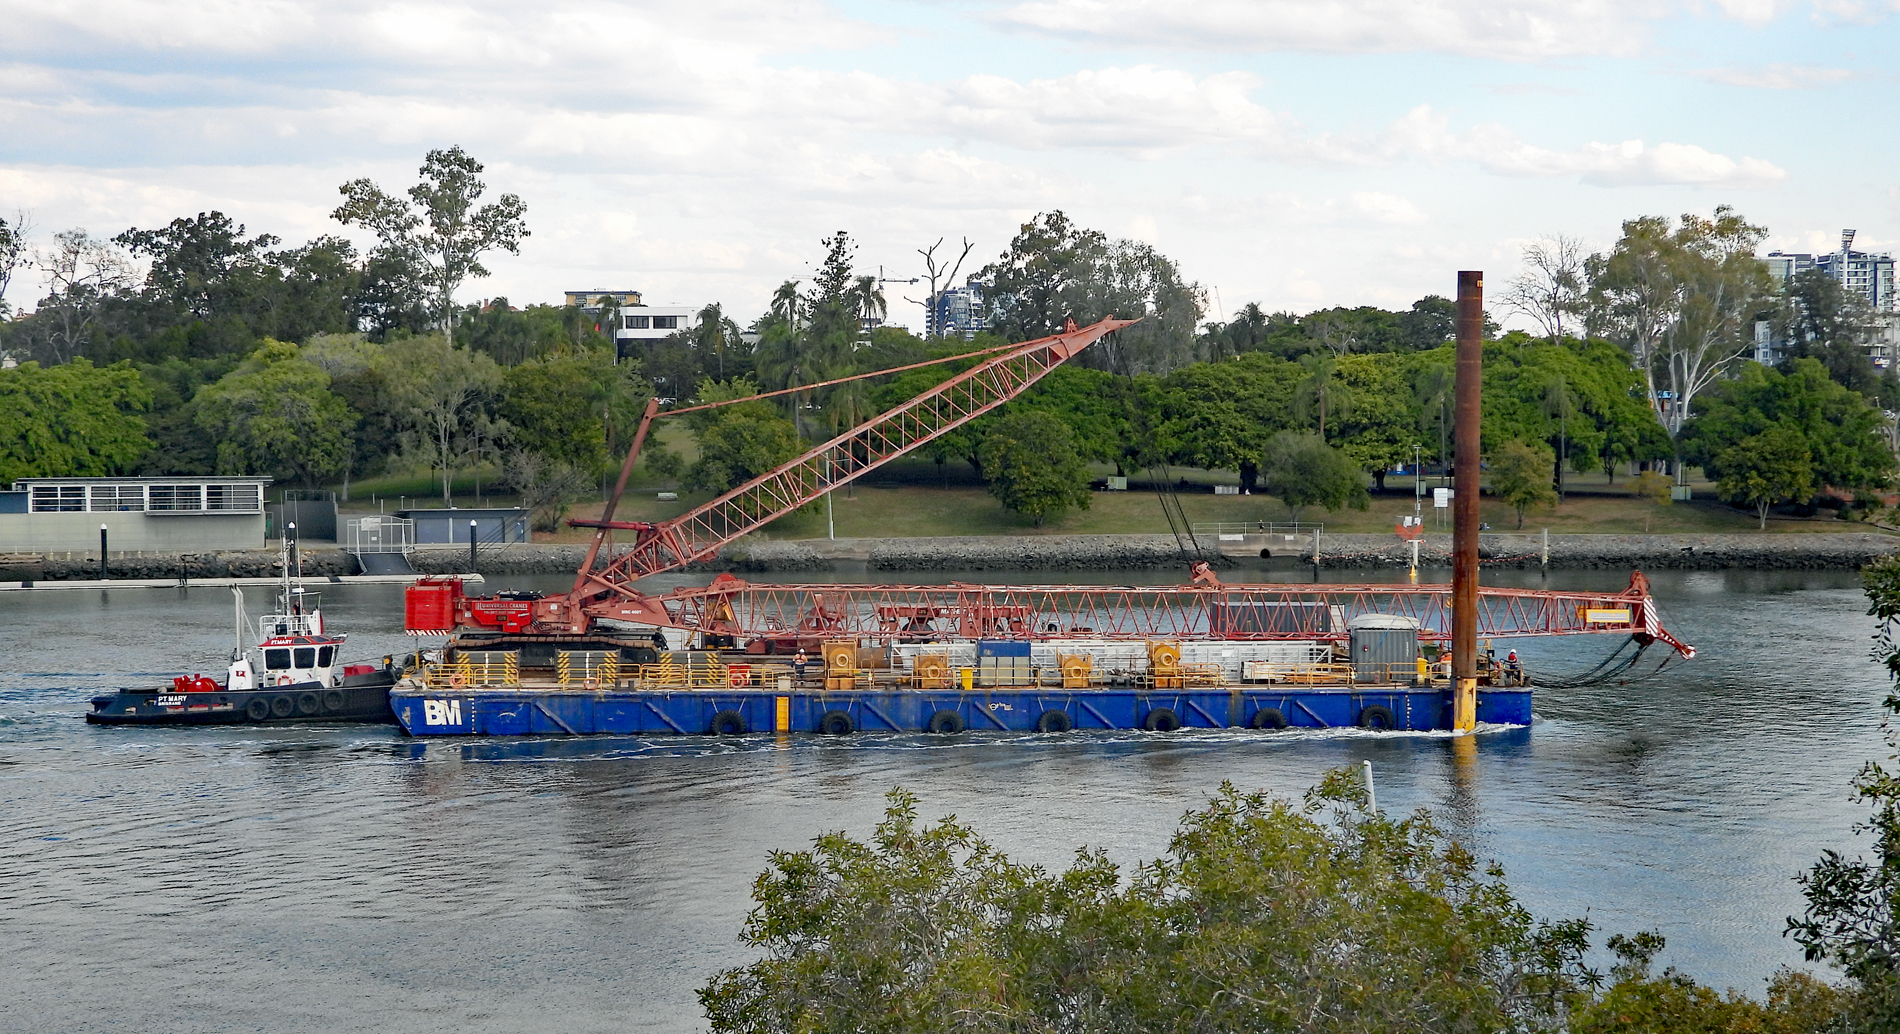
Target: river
{"x":346,"y":877}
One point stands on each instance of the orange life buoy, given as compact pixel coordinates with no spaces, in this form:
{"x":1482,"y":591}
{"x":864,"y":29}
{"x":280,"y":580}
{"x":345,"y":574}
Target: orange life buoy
{"x":284,"y":680}
{"x":456,"y":681}
{"x":591,"y":683}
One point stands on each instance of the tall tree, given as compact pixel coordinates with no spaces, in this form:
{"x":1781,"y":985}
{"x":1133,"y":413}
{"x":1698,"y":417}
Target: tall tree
{"x":439,"y":390}
{"x":1839,"y":428}
{"x":1550,"y":289}
{"x":1055,"y":271}
{"x":83,"y":274}
{"x":438,"y":229}
{"x":1321,"y":390}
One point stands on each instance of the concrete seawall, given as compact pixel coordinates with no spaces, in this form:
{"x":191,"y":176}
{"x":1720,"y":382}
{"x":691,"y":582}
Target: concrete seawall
{"x":1842,"y":551}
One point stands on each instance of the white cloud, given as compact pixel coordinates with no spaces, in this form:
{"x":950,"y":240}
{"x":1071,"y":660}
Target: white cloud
{"x":1425,"y":133}
{"x":1522,"y":30}
{"x":1776,"y":76}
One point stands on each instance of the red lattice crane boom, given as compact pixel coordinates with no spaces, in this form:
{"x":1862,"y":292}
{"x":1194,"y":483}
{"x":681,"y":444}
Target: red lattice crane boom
{"x":785,"y":616}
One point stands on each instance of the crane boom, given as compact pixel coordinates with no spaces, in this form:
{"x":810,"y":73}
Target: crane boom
{"x":786,"y":617}
{"x":699,"y":533}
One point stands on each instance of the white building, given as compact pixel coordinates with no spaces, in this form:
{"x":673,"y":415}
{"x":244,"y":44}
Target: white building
{"x":140,"y":514}
{"x":637,"y":324}
{"x":1868,"y":274}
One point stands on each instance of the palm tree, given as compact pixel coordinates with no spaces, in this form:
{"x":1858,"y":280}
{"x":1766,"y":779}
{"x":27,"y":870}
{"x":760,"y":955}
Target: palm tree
{"x":788,"y":304}
{"x":1557,"y":406}
{"x":1434,"y":391}
{"x":715,"y":333}
{"x":1319,"y":390}
{"x":866,"y":297}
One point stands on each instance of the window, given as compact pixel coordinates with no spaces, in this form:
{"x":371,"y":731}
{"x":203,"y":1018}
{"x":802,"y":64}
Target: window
{"x":637,"y":322}
{"x":666,"y":323}
{"x":232,"y":497}
{"x":118,"y":497}
{"x":306,"y":657}
{"x":58,"y":498}
{"x":277,"y":660}
{"x":324,"y":655}
{"x":175,"y":497}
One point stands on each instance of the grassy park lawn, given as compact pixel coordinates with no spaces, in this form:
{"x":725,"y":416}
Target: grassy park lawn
{"x":914,"y":498}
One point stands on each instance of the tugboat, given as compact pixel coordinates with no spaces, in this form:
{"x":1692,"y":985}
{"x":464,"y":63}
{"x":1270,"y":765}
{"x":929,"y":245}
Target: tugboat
{"x":294,"y":673}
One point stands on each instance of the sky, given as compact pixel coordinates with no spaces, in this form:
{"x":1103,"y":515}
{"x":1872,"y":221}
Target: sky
{"x":1296,"y":153}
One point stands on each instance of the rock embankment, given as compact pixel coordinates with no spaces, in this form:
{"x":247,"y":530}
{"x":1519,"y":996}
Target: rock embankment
{"x":1644,"y":552}
{"x":1839,"y":551}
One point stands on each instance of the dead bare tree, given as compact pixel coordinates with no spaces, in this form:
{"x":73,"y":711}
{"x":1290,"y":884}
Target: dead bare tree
{"x":13,"y":238}
{"x":935,"y":274}
{"x":1551,"y":289}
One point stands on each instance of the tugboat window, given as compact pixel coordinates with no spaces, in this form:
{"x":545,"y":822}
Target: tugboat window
{"x":306,"y":657}
{"x":323,"y":656}
{"x":276,"y":660}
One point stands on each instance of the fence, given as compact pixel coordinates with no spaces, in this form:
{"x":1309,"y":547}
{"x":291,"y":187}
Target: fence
{"x":379,"y":535}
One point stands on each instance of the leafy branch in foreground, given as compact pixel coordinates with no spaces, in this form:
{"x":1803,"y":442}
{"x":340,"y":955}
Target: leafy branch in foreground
{"x":1263,"y":916}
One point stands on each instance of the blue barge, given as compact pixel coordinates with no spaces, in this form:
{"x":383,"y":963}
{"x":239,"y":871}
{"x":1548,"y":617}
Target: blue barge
{"x":518,"y":712}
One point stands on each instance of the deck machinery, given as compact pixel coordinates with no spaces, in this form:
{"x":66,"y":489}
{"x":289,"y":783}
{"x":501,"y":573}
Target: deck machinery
{"x":733,"y":657}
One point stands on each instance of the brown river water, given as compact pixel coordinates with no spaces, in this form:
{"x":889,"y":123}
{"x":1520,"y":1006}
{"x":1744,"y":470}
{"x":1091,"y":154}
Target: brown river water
{"x":345,"y":877}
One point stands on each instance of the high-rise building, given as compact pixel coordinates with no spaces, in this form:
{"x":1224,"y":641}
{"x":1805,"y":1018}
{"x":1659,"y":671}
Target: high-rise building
{"x":1867,"y":274}
{"x":958,"y":311}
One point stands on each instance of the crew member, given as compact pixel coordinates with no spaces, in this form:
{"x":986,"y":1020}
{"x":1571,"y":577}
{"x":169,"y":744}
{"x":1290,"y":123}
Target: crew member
{"x":798,"y":665}
{"x":1511,"y":666}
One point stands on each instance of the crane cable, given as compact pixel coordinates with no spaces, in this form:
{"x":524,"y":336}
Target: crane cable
{"x":1607,"y":670}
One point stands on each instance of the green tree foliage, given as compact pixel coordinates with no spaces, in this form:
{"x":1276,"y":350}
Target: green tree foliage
{"x":1821,"y":320}
{"x":547,"y":487}
{"x":1840,"y":430}
{"x":1033,"y":467}
{"x":1639,"y":1001}
{"x":513,"y":336}
{"x":1520,"y":475}
{"x":1263,"y":916}
{"x":357,"y":371}
{"x":441,"y":392}
{"x":1579,"y":397}
{"x":1214,"y":415}
{"x":738,"y":443}
{"x":72,"y":420}
{"x":559,"y":406}
{"x":1683,"y":301}
{"x":275,"y":414}
{"x":437,"y":230}
{"x":1055,"y":271}
{"x":1763,"y":469}
{"x":1853,"y":916}
{"x":1380,"y":427}
{"x":1304,"y":471}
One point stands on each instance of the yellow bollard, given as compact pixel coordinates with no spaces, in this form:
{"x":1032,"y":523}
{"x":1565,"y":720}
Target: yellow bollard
{"x":969,"y":679}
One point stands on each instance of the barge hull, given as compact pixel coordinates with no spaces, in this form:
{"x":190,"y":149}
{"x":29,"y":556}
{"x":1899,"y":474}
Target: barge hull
{"x":518,"y":712}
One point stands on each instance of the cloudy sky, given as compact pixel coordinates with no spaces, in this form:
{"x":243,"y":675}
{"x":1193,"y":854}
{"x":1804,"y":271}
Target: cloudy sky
{"x":1299,"y":153}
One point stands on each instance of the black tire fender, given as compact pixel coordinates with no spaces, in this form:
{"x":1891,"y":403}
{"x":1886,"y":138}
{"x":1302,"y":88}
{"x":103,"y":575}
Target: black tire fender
{"x":281,"y":707}
{"x":1054,"y":720}
{"x":1377,"y":716}
{"x":1269,"y":718}
{"x":1161,"y":719}
{"x":308,"y":704}
{"x":333,"y":700}
{"x":837,"y":723}
{"x":257,"y":710}
{"x":946,"y":721}
{"x":729,"y":723}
